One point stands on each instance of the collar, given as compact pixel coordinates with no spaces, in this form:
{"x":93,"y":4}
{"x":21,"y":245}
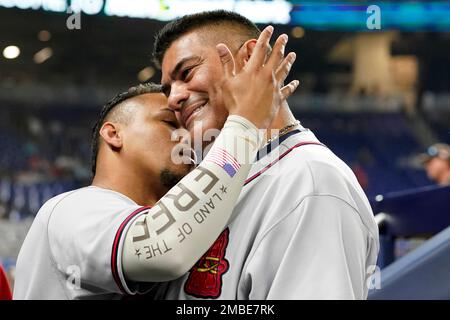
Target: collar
{"x":275,"y":143}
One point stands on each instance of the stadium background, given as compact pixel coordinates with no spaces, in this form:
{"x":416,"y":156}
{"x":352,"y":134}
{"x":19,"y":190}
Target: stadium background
{"x":376,"y":97}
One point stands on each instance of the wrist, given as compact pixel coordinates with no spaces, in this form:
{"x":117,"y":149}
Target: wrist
{"x":241,"y":124}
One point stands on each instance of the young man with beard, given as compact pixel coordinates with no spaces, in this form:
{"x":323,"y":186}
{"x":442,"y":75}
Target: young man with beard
{"x":114,"y":237}
{"x":302,"y":227}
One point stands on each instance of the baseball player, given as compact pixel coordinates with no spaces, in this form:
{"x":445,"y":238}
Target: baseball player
{"x":302,"y":227}
{"x":104,"y":241}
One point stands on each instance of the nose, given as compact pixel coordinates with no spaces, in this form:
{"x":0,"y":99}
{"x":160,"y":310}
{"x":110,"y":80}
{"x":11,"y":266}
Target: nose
{"x":178,"y":95}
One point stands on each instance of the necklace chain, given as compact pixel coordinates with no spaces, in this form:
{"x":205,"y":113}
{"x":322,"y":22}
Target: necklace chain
{"x":283,"y":131}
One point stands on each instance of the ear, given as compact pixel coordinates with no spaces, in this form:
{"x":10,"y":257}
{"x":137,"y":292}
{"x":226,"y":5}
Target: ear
{"x":111,"y":133}
{"x":245,"y":52}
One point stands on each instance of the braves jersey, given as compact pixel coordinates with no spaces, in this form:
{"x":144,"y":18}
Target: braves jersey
{"x":97,"y":243}
{"x":304,"y":230}
{"x":67,"y":252}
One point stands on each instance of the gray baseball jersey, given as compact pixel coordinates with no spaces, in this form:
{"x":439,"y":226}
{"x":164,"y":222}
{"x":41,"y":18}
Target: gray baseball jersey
{"x":302,"y":229}
{"x":97,"y":243}
{"x":67,"y":252}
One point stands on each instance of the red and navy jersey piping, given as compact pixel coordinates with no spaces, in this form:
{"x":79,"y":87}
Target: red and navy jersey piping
{"x":269,"y":149}
{"x":115,"y":247}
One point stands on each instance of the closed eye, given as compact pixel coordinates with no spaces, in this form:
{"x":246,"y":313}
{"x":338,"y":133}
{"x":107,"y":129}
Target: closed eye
{"x":171,"y":124}
{"x":186,"y":73}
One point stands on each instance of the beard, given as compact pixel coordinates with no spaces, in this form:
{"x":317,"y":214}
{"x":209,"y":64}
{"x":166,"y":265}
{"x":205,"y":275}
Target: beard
{"x":169,"y":178}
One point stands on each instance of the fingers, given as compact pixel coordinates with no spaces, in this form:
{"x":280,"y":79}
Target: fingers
{"x":285,"y":67}
{"x":277,"y":53}
{"x":288,"y":90}
{"x":262,"y":45}
{"x":227,"y":60}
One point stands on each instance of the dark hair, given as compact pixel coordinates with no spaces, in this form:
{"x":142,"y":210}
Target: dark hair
{"x":118,"y":99}
{"x":175,"y":29}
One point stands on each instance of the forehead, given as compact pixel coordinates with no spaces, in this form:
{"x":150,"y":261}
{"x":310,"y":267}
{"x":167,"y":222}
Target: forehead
{"x":152,"y":103}
{"x":193,"y":44}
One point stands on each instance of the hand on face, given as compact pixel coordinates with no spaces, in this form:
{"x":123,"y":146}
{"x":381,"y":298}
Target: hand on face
{"x":256,"y":91}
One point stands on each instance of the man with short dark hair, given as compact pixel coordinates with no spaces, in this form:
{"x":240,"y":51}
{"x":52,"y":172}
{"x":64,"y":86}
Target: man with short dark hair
{"x":302,"y":227}
{"x":137,"y":225}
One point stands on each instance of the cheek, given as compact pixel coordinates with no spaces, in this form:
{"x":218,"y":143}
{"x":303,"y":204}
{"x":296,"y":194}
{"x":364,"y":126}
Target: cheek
{"x":432,"y":167}
{"x":166,"y":146}
{"x":440,"y":166}
{"x":216,"y":106}
{"x":160,"y":154}
{"x":204,"y":80}
{"x":214,"y":117}
{"x":155,"y":140}
{"x":208,"y":122}
{"x":207,"y":75}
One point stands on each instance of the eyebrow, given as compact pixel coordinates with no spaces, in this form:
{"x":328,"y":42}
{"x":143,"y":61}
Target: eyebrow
{"x":180,"y":64}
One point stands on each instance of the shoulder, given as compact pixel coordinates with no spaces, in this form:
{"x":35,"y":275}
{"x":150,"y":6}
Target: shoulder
{"x":88,"y":198}
{"x":310,"y":170}
{"x":85,"y":206}
{"x":328,"y":173}
{"x":320,"y":222}
{"x":302,"y":160}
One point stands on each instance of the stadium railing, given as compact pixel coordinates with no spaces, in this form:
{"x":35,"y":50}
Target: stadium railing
{"x":424,"y":272}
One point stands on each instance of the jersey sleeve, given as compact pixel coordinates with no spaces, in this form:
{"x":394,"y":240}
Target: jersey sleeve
{"x":81,"y":232}
{"x":166,"y":242}
{"x":318,"y":252}
{"x":113,"y":247}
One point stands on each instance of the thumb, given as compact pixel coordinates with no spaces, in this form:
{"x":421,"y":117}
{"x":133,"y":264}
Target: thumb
{"x":227,"y":60}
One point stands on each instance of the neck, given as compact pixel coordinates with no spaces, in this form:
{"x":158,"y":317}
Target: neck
{"x":140,"y":189}
{"x":281,"y":120}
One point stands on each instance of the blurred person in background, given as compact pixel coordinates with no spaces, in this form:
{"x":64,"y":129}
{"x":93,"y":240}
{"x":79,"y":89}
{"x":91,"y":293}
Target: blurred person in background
{"x":436,"y":161}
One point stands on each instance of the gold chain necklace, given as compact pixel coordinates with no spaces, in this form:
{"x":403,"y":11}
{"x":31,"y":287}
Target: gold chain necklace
{"x":284,"y":131}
